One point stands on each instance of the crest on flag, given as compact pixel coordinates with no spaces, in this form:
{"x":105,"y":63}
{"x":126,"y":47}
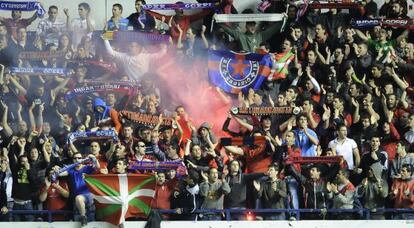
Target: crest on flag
{"x":238,"y":73}
{"x":120,"y":196}
{"x":234,"y":72}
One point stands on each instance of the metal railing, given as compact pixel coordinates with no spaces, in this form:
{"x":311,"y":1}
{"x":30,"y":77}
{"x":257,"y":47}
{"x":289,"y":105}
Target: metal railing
{"x":297,"y":213}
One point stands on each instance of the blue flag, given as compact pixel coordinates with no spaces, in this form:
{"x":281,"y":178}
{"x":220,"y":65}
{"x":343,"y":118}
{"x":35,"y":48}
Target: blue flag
{"x":235,"y":72}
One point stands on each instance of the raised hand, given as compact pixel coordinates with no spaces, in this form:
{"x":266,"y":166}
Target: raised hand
{"x":225,"y":173}
{"x":3,"y":105}
{"x":204,"y":176}
{"x":256,"y":185}
{"x":32,"y":106}
{"x":354,"y":102}
{"x":47,"y":183}
{"x":340,"y":31}
{"x":327,"y":113}
{"x":169,"y":22}
{"x":42,"y":107}
{"x":66,"y":11}
{"x":21,"y":143}
{"x":19,"y":107}
{"x":328,"y":187}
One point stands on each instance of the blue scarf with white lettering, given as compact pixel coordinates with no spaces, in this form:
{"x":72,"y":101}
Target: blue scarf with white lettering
{"x":23,"y":6}
{"x":39,"y":71}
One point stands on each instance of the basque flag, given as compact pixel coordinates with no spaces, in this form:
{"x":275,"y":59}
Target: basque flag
{"x":234,"y":72}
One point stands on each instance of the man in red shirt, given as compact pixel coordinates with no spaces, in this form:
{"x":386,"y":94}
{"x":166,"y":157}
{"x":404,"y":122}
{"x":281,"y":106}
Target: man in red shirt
{"x":16,"y":22}
{"x":54,"y":195}
{"x":163,"y":191}
{"x":402,"y":191}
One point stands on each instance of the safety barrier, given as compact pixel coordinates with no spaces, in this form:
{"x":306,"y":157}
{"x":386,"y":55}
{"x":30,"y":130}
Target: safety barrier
{"x":298,"y":213}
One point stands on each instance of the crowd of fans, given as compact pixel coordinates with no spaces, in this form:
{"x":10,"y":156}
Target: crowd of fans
{"x":353,"y":87}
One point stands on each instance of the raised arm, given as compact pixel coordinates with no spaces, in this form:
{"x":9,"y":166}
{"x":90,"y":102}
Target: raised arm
{"x":234,"y":150}
{"x":1,"y":74}
{"x":244,"y":123}
{"x":68,"y":24}
{"x":32,"y":18}
{"x":110,"y":51}
{"x":18,"y":86}
{"x":31,"y":117}
{"x":158,"y":15}
{"x":7,"y":130}
{"x":203,"y":36}
{"x":361,"y":35}
{"x":403,"y":85}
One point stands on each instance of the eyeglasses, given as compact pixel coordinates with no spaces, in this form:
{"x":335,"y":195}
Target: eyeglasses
{"x":77,"y":158}
{"x":141,"y":145}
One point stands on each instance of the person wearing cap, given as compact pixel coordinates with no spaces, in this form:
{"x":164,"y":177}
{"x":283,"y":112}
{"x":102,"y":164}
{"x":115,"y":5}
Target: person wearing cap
{"x":374,"y":190}
{"x":204,"y":137}
{"x":252,"y":38}
{"x":105,"y":114}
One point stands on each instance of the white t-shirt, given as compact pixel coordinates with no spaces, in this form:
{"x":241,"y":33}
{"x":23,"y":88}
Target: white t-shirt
{"x":345,"y":149}
{"x":80,"y":29}
{"x":135,"y":66}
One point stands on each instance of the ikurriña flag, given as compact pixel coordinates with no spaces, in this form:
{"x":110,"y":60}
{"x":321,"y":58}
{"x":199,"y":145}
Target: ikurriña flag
{"x":234,"y":72}
{"x":120,"y":196}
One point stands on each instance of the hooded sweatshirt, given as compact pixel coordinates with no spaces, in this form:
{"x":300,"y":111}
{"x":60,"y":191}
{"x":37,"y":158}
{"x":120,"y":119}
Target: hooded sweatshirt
{"x":374,"y":193}
{"x":109,"y":114}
